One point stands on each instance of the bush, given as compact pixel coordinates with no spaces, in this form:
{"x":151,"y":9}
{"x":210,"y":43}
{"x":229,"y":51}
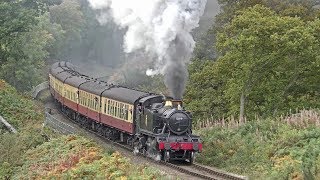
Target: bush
{"x":27,"y":118}
{"x":271,"y":148}
{"x":74,"y":157}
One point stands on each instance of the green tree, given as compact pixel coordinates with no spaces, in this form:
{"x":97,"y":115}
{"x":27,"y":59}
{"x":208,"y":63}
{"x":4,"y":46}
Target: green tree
{"x":268,"y":63}
{"x":230,"y":9}
{"x":68,"y":14}
{"x":24,"y":70}
{"x":26,"y":38}
{"x":14,"y":20}
{"x":204,"y":96}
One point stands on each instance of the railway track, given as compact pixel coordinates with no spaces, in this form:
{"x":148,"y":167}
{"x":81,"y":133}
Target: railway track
{"x":196,"y":170}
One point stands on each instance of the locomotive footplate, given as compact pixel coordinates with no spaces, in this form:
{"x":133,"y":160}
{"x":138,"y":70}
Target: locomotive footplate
{"x":178,"y":143}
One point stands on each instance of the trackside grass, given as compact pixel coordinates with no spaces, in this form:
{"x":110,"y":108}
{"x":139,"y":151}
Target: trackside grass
{"x":273,"y":148}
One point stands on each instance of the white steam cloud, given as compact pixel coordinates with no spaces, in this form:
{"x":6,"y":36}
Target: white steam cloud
{"x":161,"y":28}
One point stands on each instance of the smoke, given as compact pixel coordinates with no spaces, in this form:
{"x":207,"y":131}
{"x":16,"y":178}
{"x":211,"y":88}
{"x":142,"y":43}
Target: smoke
{"x":160,"y":28}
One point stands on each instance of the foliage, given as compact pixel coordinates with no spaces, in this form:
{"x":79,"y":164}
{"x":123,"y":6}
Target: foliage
{"x":268,"y":62}
{"x":17,"y":109}
{"x":73,"y":157}
{"x":24,"y":40}
{"x":27,"y":118}
{"x":69,"y":15}
{"x":304,"y":9}
{"x":85,"y":40}
{"x":265,"y":148}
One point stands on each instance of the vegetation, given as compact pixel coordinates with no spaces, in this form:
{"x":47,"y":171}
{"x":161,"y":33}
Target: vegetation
{"x":28,"y":155}
{"x":35,"y":32}
{"x":73,"y":157}
{"x":27,"y":118}
{"x":268,"y":63}
{"x":25,"y":37}
{"x":259,"y":60}
{"x":273,"y":148}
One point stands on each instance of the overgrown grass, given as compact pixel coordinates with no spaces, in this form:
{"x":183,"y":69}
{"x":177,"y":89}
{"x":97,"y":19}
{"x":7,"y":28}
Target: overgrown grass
{"x":27,"y":155}
{"x":74,"y":157}
{"x":17,"y":109}
{"x":27,"y":118}
{"x":274,"y":148}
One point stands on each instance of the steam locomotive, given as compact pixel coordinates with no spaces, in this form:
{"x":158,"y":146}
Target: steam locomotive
{"x":152,"y":124}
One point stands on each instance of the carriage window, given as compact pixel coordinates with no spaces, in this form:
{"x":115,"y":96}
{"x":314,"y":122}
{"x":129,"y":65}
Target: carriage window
{"x":111,"y":108}
{"x":82,"y":98}
{"x":120,"y":110}
{"x":130,"y":114}
{"x":115,"y":109}
{"x":87,"y":100}
{"x":98,"y":104}
{"x":91,"y":102}
{"x":126,"y":112}
{"x":105,"y":106}
{"x":95,"y":103}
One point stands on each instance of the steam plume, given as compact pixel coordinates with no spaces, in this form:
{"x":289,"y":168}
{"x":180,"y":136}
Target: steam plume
{"x":161,"y":28}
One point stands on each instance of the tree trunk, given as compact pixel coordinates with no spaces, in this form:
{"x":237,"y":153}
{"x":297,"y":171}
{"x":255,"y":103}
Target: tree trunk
{"x":12,"y":129}
{"x":242,"y":102}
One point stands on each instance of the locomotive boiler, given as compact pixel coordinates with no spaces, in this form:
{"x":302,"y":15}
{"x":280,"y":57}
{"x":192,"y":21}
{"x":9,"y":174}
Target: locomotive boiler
{"x":154,"y":125}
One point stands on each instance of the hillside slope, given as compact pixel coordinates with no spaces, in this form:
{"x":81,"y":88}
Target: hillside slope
{"x":74,"y":157}
{"x":27,"y":118}
{"x":273,"y":148}
{"x":36,"y":152}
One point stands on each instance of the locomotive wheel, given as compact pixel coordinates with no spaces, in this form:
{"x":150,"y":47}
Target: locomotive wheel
{"x":135,"y":150}
{"x":191,"y":158}
{"x":166,"y":156}
{"x":158,"y":157}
